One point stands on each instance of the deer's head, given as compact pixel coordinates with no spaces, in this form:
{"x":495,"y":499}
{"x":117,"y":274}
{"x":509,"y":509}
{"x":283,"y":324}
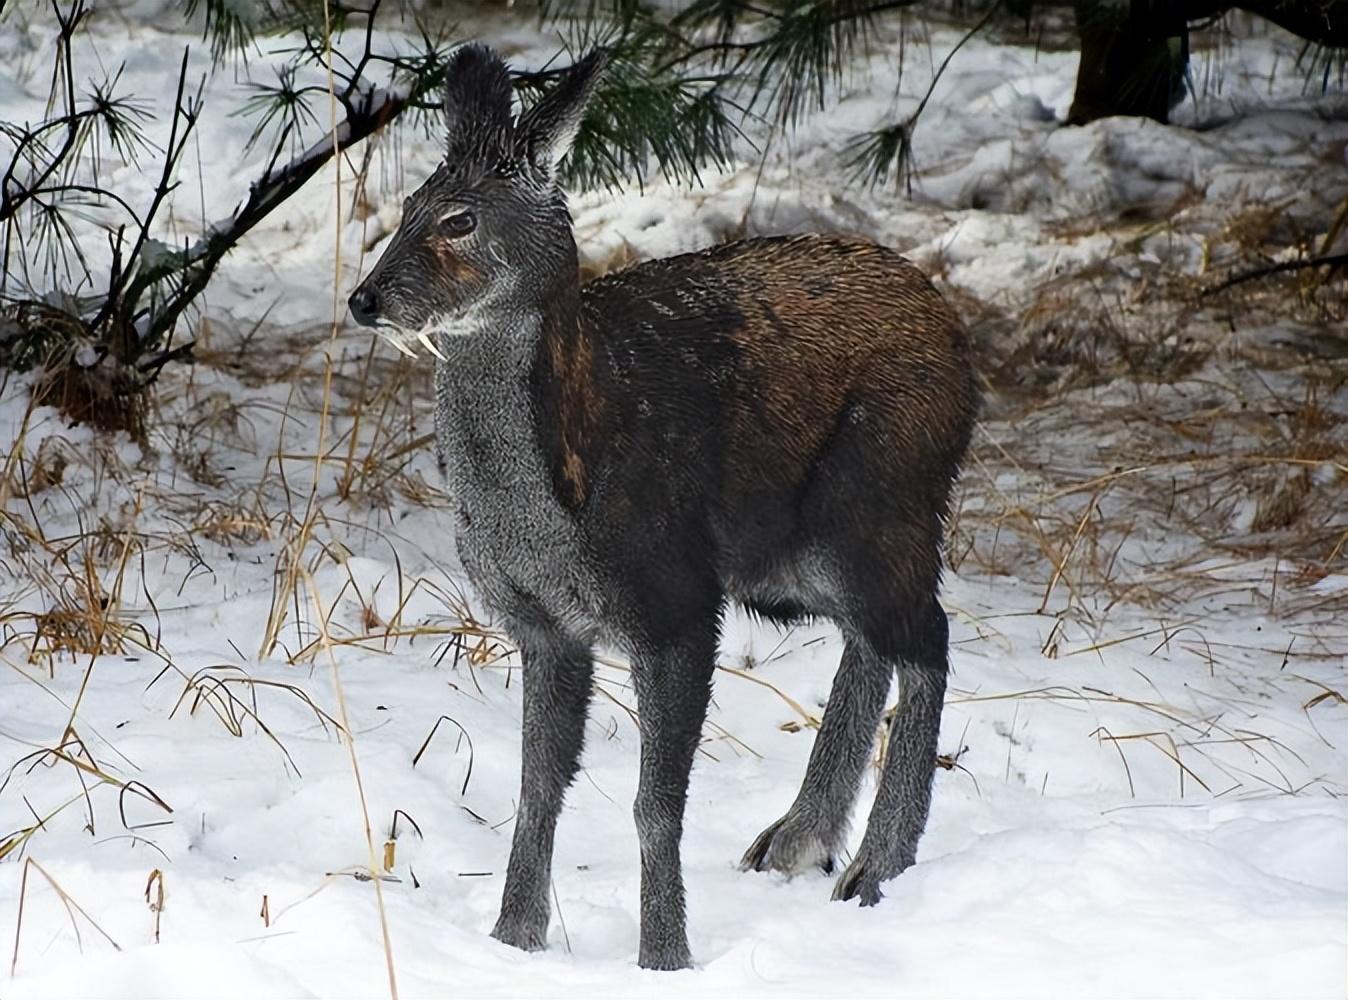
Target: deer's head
{"x":488,"y":233}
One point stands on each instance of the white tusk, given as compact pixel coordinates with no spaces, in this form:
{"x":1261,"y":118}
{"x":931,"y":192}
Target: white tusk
{"x":429,"y":344}
{"x":401,"y":346}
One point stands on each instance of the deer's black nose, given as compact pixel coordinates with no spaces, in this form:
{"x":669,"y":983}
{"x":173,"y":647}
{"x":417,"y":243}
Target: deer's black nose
{"x":364,"y":303}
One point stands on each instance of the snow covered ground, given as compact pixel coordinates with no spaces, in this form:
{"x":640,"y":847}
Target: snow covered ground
{"x":1147,"y":726}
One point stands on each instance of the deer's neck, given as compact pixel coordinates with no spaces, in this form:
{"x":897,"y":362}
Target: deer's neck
{"x":481,"y":393}
{"x":524,"y":400}
{"x":497,"y":437}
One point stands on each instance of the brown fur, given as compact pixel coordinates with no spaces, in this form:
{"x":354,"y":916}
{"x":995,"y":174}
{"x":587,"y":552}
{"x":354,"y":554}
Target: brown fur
{"x":572,"y":392}
{"x":824,"y":323}
{"x":840,"y":323}
{"x":457,"y":273}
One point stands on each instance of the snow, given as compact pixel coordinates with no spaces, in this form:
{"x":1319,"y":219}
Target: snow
{"x":1151,"y":802}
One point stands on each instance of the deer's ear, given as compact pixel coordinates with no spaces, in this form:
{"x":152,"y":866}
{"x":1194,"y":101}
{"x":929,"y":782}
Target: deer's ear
{"x":477,"y":97}
{"x":547,"y":129}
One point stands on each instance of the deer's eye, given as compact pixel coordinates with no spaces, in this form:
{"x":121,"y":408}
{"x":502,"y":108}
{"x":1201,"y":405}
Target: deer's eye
{"x":458,"y":224}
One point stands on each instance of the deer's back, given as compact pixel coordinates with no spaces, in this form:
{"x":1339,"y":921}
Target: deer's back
{"x":754,"y":388}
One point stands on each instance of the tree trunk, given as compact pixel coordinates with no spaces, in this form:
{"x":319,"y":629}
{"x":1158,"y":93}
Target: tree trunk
{"x":1134,"y":52}
{"x":1133,"y":56}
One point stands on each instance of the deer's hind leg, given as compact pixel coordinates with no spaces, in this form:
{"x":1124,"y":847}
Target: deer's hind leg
{"x":812,"y":832}
{"x":876,"y":548}
{"x":899,"y":814}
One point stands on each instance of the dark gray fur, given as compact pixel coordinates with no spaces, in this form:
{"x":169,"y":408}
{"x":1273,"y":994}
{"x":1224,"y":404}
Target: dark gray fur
{"x":775,"y":422}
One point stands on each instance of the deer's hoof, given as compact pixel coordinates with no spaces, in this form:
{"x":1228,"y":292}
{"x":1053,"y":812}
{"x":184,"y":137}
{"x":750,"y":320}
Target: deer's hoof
{"x":858,"y":883}
{"x":863,"y":876}
{"x":790,"y":846}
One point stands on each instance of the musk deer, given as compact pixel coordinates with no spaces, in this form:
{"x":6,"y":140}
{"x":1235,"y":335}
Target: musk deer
{"x":775,"y":422}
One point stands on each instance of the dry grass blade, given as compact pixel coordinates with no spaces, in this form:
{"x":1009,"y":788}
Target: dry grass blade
{"x":72,"y":908}
{"x":463,"y":733}
{"x":1060,"y":565}
{"x":76,"y":754}
{"x":213,"y":687}
{"x":109,"y":604}
{"x":1166,"y":630}
{"x":372,"y":867}
{"x":809,"y":719}
{"x":15,"y":842}
{"x":154,"y":898}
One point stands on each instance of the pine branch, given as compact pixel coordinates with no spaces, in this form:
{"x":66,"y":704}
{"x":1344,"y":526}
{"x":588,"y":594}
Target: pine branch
{"x":874,"y":153}
{"x":282,"y":104}
{"x":640,"y":118}
{"x":197,"y":264}
{"x":122,"y":299}
{"x":230,"y":26}
{"x":13,"y":193}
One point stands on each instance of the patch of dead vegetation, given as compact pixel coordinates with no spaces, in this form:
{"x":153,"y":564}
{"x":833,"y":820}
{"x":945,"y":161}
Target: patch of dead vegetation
{"x":1228,"y":481}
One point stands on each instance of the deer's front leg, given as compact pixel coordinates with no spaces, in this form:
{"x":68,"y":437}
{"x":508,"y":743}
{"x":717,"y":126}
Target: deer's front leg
{"x":673,"y":688}
{"x":557,"y":677}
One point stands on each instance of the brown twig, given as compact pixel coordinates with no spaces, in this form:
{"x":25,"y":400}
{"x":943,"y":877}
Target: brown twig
{"x":1331,"y":261}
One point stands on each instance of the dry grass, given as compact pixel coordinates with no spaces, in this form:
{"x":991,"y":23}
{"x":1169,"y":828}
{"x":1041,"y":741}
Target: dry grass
{"x":1153,"y":494}
{"x":1148,"y":442}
